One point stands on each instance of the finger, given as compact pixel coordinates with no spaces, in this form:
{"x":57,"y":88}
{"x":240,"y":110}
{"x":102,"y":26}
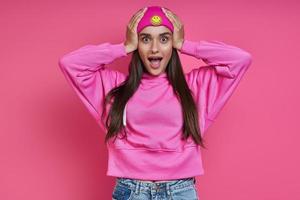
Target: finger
{"x":138,"y":19}
{"x":166,"y":9}
{"x":138,"y":14}
{"x":173,"y":15}
{"x":173,"y":20}
{"x":169,"y":13}
{"x":133,"y":18}
{"x":131,"y":24}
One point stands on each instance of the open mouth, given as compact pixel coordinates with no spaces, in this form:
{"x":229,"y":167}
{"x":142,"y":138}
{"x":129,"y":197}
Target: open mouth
{"x":155,"y":61}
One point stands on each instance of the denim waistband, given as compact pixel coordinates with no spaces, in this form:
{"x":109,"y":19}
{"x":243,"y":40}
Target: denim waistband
{"x":137,"y":185}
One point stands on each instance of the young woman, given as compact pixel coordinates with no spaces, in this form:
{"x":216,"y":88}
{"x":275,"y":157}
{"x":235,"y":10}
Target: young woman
{"x":155,"y":117}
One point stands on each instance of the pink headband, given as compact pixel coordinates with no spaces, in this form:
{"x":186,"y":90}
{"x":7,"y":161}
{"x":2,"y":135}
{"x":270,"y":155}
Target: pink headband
{"x":154,"y":16}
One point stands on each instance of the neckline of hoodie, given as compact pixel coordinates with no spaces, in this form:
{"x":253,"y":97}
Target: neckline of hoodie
{"x":150,"y":76}
{"x":154,"y":79}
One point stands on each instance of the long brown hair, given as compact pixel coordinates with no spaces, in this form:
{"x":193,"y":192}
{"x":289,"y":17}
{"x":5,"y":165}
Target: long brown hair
{"x":126,"y":89}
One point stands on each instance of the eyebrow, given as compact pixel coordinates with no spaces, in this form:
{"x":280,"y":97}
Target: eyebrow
{"x":147,"y":34}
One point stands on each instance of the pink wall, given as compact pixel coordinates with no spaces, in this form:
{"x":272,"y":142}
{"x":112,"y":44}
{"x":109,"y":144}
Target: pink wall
{"x":51,"y":148}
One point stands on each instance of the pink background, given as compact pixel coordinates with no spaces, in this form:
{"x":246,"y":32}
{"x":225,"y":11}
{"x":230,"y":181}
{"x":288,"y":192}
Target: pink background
{"x":50,"y":146}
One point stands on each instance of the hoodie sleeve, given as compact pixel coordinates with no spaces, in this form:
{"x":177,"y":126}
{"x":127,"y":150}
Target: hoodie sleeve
{"x":214,"y":83}
{"x":85,"y":71}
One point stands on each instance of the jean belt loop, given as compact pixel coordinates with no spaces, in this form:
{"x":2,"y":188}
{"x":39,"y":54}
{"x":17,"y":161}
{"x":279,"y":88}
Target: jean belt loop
{"x":168,"y":189}
{"x":137,"y":187}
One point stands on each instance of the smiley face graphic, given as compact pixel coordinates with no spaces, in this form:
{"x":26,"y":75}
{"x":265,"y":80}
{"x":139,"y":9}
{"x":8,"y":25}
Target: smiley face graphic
{"x":156,"y":20}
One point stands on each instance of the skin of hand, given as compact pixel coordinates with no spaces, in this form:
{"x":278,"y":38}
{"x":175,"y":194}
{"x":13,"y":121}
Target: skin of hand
{"x":131,"y":42}
{"x":178,"y":34}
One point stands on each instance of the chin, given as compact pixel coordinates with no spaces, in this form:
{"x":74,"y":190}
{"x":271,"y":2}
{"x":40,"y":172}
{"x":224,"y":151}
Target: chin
{"x":155,"y":71}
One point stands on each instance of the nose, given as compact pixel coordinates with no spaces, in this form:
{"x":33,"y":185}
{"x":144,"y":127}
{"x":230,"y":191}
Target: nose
{"x":154,"y":47}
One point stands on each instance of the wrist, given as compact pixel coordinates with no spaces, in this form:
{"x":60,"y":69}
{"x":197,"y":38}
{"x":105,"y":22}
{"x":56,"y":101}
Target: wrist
{"x":179,"y":45}
{"x":128,"y":48}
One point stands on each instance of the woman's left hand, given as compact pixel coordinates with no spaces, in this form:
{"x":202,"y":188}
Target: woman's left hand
{"x":178,"y":33}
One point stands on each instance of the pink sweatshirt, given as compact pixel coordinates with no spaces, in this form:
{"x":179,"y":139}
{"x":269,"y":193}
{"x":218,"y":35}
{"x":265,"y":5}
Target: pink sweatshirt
{"x":153,"y":118}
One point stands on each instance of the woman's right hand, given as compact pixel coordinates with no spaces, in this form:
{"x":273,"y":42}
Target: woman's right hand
{"x":131,"y":42}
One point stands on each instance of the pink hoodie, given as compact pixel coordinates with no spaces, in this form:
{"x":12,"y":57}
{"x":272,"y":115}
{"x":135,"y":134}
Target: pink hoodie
{"x":153,"y":117}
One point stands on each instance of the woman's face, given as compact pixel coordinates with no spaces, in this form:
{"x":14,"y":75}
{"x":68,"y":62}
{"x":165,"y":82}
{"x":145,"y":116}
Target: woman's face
{"x":155,"y":42}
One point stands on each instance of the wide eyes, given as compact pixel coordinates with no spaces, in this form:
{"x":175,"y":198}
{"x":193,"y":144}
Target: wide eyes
{"x":162,"y":39}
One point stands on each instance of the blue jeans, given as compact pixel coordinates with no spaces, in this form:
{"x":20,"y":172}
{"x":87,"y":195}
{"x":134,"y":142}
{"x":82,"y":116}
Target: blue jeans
{"x":133,"y":189}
